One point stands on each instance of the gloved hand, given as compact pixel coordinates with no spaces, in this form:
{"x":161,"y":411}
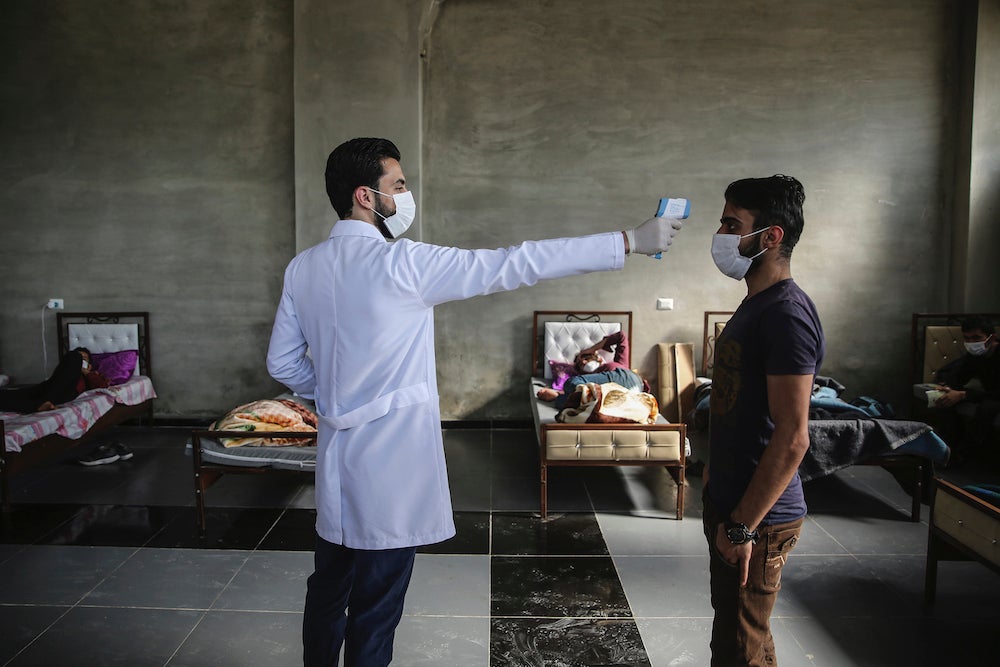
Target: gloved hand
{"x":653,"y":236}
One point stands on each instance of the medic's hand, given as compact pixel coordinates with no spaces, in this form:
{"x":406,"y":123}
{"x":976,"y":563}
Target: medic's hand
{"x":653,"y":236}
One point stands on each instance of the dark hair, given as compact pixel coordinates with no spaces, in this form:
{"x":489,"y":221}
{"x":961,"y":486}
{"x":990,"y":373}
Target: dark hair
{"x":774,"y":201}
{"x":974,"y":322}
{"x":352,"y":164}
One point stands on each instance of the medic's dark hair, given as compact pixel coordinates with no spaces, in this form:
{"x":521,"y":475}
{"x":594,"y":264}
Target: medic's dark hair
{"x":774,"y":201}
{"x":352,"y":164}
{"x":974,"y":322}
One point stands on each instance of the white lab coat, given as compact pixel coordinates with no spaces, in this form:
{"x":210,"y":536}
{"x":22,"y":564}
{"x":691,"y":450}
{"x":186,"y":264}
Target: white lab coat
{"x":363,"y":308}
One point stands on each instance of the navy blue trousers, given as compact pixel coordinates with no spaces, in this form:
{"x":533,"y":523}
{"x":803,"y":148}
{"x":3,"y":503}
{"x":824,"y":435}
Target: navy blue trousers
{"x":354,"y":599}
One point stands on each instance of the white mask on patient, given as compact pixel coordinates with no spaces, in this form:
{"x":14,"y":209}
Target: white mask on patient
{"x":727,"y":257}
{"x":978,"y":348}
{"x":406,"y":211}
{"x":591,"y":366}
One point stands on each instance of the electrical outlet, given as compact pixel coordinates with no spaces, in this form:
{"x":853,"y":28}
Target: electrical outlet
{"x":56,"y":304}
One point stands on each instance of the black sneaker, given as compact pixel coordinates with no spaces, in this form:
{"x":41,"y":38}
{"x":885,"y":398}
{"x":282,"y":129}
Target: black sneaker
{"x":123,"y":452}
{"x":100,"y":455}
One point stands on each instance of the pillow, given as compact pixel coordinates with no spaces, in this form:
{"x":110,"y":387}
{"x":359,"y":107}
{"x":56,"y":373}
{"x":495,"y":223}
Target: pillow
{"x":560,"y":373}
{"x":117,"y":367}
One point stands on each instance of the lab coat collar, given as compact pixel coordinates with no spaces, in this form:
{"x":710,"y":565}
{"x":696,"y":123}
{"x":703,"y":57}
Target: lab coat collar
{"x":355,"y":228}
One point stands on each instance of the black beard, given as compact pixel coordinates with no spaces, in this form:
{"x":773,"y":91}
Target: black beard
{"x":382,"y":214}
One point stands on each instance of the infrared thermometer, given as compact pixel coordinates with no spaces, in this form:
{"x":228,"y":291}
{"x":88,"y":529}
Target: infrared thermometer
{"x":675,"y":208}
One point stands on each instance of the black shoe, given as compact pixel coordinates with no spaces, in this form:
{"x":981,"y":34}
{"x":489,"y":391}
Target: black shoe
{"x":123,"y":452}
{"x":100,"y":455}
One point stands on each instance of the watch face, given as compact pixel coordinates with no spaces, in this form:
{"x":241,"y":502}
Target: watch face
{"x":736,"y":535}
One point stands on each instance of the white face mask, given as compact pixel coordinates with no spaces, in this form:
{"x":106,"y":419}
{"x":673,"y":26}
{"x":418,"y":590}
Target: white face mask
{"x":727,"y":257}
{"x":406,"y":211}
{"x":978,"y":348}
{"x":591,"y":366}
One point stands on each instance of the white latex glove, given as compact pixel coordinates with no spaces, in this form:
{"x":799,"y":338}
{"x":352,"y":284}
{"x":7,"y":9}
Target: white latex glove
{"x":653,"y":236}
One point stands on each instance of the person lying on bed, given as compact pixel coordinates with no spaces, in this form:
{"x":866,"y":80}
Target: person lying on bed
{"x":71,"y":377}
{"x":591,"y":367}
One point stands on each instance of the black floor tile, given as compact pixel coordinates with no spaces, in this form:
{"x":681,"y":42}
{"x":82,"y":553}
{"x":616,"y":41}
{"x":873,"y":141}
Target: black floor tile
{"x":112,"y":525}
{"x":566,"y":641}
{"x":295,"y":530}
{"x":26,"y":524}
{"x":226,"y":528}
{"x":560,"y":534}
{"x":557,"y":586}
{"x":472,"y":536}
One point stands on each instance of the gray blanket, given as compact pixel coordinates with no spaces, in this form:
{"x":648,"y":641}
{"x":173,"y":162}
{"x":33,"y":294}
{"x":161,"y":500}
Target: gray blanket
{"x":839,"y":443}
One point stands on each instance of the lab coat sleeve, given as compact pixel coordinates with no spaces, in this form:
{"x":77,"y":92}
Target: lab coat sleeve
{"x":287,"y":361}
{"x":447,"y":274}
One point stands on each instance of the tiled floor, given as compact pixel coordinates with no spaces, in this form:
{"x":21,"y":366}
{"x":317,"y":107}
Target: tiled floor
{"x":104,"y":566}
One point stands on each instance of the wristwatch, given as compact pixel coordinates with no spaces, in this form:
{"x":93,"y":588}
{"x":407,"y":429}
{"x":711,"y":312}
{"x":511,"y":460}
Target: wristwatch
{"x":738,"y":533}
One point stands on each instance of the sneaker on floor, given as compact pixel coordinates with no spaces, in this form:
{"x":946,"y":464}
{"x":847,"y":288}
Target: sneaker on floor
{"x":123,"y":452}
{"x":100,"y":455}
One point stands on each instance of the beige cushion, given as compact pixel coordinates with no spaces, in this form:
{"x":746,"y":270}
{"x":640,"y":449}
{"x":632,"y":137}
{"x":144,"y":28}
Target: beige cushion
{"x":942,"y":345}
{"x":608,"y":444}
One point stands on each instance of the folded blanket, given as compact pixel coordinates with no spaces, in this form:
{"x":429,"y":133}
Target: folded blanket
{"x":268,"y":415}
{"x":838,"y":443}
{"x":609,"y":403}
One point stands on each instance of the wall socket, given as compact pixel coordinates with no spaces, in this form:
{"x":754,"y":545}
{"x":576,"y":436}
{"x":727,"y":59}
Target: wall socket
{"x":56,"y":304}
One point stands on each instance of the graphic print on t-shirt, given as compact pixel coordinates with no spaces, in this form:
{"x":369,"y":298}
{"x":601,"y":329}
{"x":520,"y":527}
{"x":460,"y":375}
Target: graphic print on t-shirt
{"x":726,"y":376}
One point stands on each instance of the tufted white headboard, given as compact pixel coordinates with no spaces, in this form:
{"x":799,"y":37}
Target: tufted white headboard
{"x":107,"y":332}
{"x":559,"y":334}
{"x":564,"y":339}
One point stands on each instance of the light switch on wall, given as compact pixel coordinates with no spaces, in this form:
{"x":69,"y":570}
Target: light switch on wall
{"x":664,"y":304}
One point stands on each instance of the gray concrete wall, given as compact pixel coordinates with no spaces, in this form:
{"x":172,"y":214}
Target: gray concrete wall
{"x":983,"y":268}
{"x":573,"y":117}
{"x":148,"y":164}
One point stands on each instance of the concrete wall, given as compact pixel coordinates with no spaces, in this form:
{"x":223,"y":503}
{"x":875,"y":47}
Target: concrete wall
{"x":982,"y":276}
{"x":573,"y":117}
{"x":146,"y":164}
{"x":516,"y":120}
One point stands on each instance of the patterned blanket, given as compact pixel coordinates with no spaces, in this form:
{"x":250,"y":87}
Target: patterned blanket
{"x":71,"y":420}
{"x":608,"y":403}
{"x":268,"y":415}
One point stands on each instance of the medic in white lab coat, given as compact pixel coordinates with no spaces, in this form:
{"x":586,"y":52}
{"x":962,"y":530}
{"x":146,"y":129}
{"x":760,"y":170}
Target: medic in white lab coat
{"x":355,"y":330}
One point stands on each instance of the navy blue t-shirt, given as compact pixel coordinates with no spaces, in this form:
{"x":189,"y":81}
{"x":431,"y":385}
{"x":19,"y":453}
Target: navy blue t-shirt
{"x":775,"y":332}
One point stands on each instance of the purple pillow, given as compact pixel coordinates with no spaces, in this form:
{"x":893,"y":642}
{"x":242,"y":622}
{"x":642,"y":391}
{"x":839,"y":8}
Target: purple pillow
{"x":116,"y":367}
{"x":560,"y":373}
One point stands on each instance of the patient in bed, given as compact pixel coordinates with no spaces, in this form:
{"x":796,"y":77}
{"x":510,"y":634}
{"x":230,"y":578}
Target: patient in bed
{"x":73,"y":375}
{"x":590,"y":366}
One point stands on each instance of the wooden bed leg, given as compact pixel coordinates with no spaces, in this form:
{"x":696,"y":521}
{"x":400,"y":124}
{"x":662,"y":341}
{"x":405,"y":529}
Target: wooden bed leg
{"x":918,"y":487}
{"x":681,"y":490}
{"x":545,"y":491}
{"x":6,"y":491}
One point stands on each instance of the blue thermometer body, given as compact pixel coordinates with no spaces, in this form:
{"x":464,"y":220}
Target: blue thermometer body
{"x":672,"y":207}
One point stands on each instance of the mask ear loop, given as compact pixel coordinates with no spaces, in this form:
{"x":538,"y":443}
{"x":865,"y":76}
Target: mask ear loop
{"x":759,"y":231}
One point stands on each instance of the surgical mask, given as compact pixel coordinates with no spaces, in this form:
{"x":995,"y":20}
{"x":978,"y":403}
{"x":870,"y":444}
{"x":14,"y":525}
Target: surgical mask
{"x":591,"y":366}
{"x":978,"y":348}
{"x":727,"y":257}
{"x":406,"y":211}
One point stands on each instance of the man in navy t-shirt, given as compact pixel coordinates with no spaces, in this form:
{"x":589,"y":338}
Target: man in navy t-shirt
{"x":765,"y":361}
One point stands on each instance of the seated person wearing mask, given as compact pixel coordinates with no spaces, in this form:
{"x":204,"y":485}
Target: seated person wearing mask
{"x":591,"y":367}
{"x":972,"y":388}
